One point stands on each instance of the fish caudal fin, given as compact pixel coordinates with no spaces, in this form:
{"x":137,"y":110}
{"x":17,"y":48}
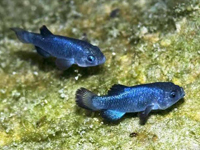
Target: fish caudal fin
{"x":84,"y":99}
{"x":23,"y":36}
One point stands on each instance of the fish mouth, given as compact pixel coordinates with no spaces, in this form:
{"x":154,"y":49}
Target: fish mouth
{"x":183,"y":92}
{"x":102,"y":61}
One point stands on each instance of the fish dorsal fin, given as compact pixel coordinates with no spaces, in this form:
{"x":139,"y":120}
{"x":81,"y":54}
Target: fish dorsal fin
{"x":44,"y":31}
{"x":116,"y":89}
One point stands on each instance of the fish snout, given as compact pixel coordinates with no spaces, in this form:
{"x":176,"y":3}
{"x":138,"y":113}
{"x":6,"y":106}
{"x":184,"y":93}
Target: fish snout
{"x":182,"y":92}
{"x":102,"y":61}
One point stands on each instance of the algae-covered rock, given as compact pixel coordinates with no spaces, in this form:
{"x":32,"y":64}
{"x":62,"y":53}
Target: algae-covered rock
{"x":144,"y":41}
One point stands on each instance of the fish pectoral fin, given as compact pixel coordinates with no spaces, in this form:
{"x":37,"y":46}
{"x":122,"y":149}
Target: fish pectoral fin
{"x":63,"y":64}
{"x":116,"y":88}
{"x":144,"y":114}
{"x":42,"y":52}
{"x":45,"y":31}
{"x":112,"y":115}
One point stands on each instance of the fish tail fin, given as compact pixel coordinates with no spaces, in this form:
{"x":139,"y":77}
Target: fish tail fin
{"x":23,"y":35}
{"x":84,"y":99}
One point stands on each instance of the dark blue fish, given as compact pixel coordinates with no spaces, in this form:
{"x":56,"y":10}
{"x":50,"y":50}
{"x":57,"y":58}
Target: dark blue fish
{"x":123,"y":99}
{"x":67,"y":50}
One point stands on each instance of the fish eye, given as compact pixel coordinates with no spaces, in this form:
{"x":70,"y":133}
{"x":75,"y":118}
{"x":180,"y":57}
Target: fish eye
{"x":90,"y":58}
{"x":173,"y":94}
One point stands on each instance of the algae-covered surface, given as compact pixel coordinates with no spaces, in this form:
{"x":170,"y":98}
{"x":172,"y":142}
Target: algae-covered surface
{"x":143,"y":40}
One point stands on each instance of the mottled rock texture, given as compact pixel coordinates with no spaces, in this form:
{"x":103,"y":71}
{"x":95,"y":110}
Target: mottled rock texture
{"x":143,"y":40}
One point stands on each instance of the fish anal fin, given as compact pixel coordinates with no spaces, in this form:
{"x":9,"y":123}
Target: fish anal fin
{"x":45,"y":31}
{"x":42,"y":52}
{"x":112,"y":115}
{"x":63,"y":64}
{"x":116,"y":89}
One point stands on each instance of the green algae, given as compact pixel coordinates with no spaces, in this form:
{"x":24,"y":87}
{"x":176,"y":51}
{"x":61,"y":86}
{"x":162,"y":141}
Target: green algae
{"x":148,"y":41}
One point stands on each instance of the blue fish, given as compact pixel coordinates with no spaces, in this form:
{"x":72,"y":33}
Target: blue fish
{"x":67,"y":50}
{"x":123,"y":99}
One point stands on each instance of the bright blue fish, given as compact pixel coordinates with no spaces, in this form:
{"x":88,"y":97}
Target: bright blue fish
{"x":67,"y":50}
{"x":123,"y":99}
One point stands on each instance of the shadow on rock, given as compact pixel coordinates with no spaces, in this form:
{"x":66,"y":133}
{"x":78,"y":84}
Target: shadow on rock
{"x":44,"y":64}
{"x":126,"y":116}
{"x":84,"y":72}
{"x":97,"y":114}
{"x":48,"y":64}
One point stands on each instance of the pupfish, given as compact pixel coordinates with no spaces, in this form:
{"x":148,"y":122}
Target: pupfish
{"x":68,"y":51}
{"x":124,"y":99}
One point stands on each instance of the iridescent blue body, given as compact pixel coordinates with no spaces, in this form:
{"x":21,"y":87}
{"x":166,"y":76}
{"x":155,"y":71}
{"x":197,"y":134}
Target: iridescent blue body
{"x":122,"y":99}
{"x":67,"y":50}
